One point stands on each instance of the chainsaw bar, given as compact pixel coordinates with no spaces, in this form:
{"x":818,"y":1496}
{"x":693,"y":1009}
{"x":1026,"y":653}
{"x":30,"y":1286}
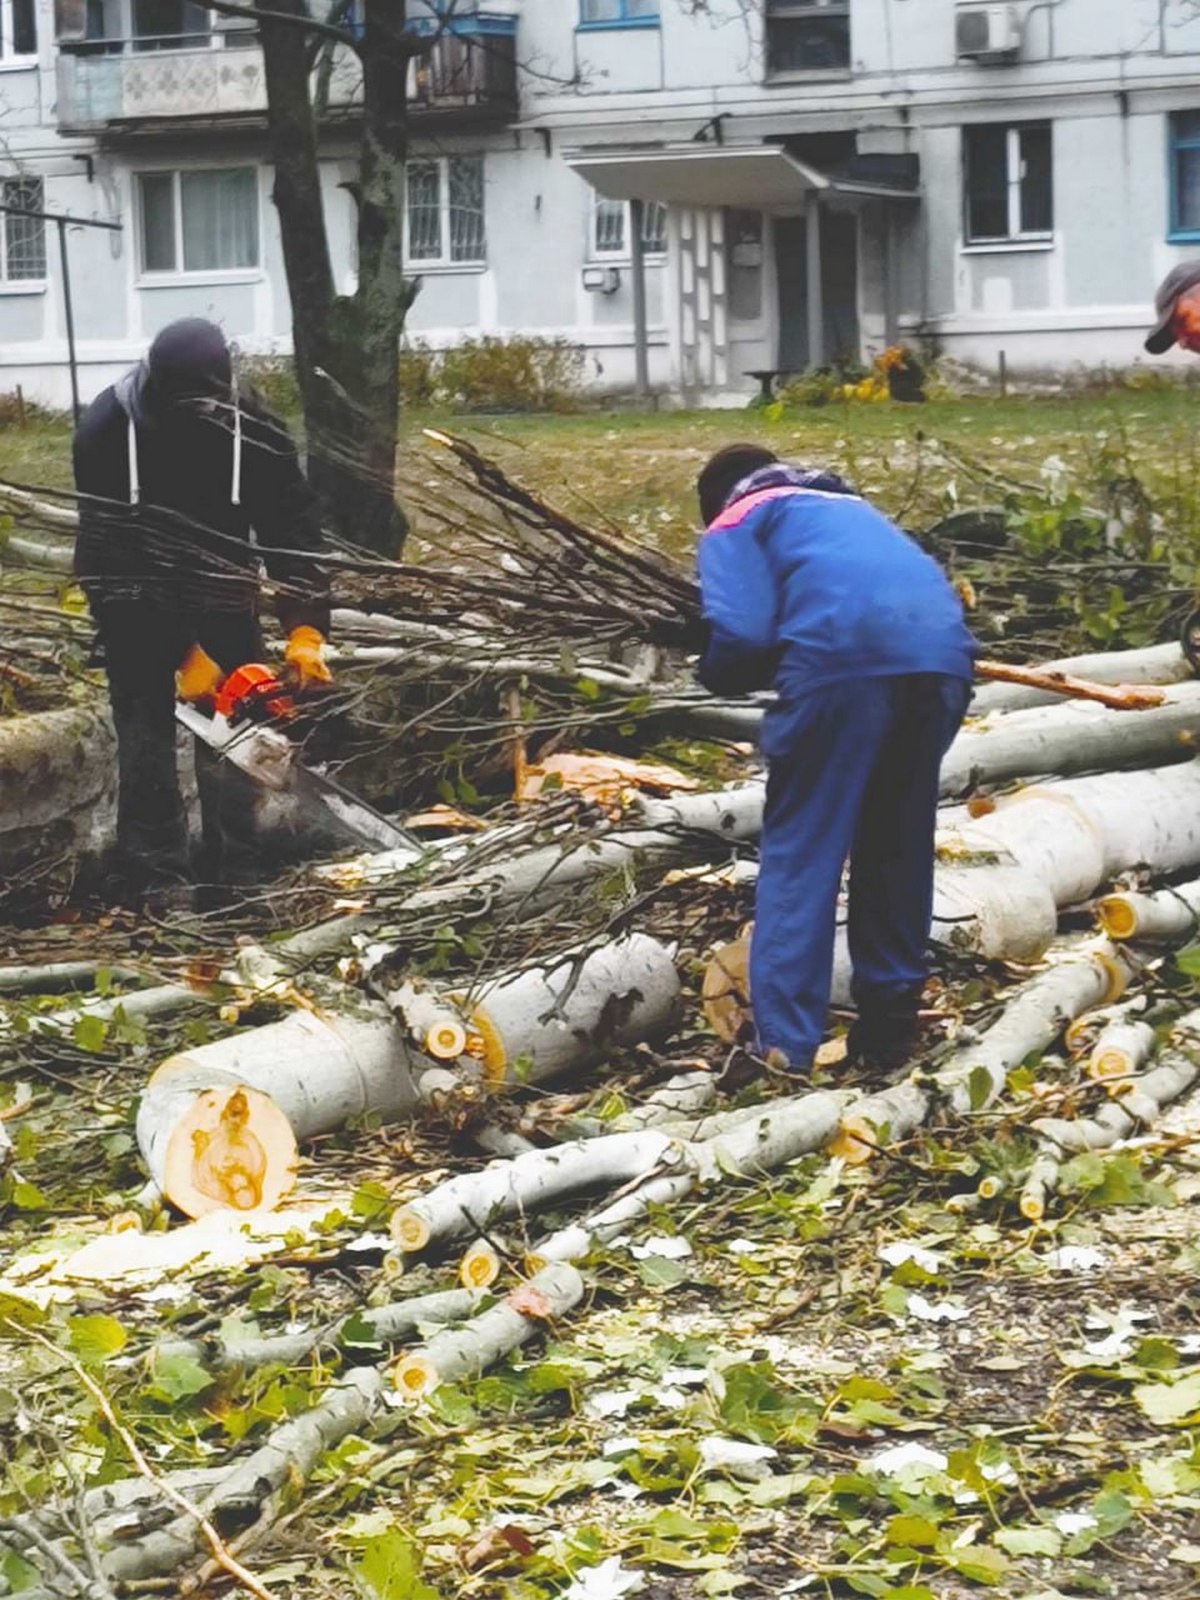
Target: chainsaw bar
{"x":271,"y":759}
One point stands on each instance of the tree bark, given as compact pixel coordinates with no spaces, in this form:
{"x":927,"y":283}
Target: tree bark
{"x":346,"y":346}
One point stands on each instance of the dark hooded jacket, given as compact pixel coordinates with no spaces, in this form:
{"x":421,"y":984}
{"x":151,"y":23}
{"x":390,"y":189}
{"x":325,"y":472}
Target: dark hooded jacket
{"x":185,"y":486}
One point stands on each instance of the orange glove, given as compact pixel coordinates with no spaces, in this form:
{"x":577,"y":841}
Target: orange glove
{"x":305,"y":654}
{"x":198,"y":677}
{"x":1185,"y":323}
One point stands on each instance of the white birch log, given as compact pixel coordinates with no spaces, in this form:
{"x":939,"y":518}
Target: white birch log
{"x":1000,"y":881}
{"x":1164,"y":916}
{"x":1081,"y":1035}
{"x":574,"y":1011}
{"x":681,"y":1099}
{"x":469,"y":1203}
{"x":260,"y":1479}
{"x":778,"y":1132}
{"x":1075,"y":736}
{"x":1122,"y":1049}
{"x":1156,"y":663}
{"x":1082,"y":978}
{"x":53,"y":763}
{"x":57,"y":976}
{"x":466,"y":1352}
{"x":877,"y":1120}
{"x":1141,"y":1104}
{"x":388,"y":1324}
{"x":219,"y":1125}
{"x":1040,"y":1182}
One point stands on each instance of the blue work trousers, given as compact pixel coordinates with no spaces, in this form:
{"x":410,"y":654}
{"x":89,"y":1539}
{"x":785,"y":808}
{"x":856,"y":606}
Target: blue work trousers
{"x":853,"y":773}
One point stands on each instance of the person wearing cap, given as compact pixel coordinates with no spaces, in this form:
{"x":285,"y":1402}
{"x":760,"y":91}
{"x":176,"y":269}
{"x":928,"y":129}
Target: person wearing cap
{"x":186,"y":485}
{"x":1177,"y":305}
{"x":810,"y":591}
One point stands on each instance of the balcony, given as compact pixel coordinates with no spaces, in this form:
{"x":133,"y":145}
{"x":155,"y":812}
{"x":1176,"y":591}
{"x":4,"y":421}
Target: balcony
{"x":118,"y":87}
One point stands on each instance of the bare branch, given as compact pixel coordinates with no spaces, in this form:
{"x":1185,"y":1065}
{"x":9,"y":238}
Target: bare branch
{"x":253,"y":13}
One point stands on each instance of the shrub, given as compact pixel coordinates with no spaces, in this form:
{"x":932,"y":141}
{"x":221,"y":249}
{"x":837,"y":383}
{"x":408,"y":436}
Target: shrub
{"x":274,"y":379}
{"x":514,"y":374}
{"x":418,"y":376}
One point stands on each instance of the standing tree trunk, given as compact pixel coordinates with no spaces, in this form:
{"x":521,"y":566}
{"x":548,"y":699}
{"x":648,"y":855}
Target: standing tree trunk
{"x":346,"y":346}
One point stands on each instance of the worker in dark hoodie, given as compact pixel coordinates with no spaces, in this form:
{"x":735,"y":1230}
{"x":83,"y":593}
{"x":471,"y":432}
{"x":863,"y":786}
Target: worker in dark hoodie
{"x":810,"y":591}
{"x":185,"y":487}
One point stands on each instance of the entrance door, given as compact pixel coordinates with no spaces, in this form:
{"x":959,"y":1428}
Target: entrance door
{"x":839,"y":280}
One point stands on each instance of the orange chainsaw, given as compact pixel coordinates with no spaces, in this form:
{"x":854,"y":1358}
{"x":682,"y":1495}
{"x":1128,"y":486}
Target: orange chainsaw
{"x":253,"y":724}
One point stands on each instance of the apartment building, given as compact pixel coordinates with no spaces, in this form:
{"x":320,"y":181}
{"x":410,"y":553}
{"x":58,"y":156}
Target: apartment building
{"x":695,"y":191}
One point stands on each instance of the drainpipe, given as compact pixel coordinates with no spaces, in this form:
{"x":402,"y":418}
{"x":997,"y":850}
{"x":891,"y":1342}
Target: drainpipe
{"x":816,"y":291}
{"x":637,"y":267}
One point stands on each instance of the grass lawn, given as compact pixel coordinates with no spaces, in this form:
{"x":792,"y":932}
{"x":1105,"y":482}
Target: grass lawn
{"x":918,"y":462}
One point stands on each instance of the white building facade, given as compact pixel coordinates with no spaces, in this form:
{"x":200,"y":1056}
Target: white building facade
{"x":696,"y":193}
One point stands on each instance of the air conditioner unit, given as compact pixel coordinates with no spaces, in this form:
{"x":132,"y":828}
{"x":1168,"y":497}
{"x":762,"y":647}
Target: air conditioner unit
{"x":987,"y":33}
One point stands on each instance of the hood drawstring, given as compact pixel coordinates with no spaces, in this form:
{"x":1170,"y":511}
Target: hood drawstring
{"x":235,"y":485}
{"x":135,"y":485}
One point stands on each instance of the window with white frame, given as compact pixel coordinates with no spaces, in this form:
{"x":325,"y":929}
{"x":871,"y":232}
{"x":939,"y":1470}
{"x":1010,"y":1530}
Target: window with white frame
{"x":807,"y":36}
{"x":611,"y":230}
{"x":1008,"y":181}
{"x":22,"y":239}
{"x":444,"y":221}
{"x":18,"y":30}
{"x":203,"y":220}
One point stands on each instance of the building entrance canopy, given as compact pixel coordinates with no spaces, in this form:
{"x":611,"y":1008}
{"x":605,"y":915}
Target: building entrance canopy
{"x":752,"y":177}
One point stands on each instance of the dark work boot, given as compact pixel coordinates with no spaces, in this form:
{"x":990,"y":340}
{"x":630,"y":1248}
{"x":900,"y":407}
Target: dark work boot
{"x":883,"y":1039}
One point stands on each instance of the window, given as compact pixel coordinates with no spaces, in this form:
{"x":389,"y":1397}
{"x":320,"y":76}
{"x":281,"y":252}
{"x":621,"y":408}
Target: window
{"x":1008,"y":178}
{"x":610,"y":227}
{"x":18,"y":30}
{"x":22,"y":239}
{"x":1185,"y":174}
{"x":171,"y":25}
{"x":203,"y":221}
{"x":619,"y":13}
{"x":444,"y":217}
{"x":808,"y":36}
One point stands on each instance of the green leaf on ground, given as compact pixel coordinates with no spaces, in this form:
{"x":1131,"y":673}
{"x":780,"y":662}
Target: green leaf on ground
{"x":179,"y":1377}
{"x":95,"y":1339}
{"x":390,"y":1569}
{"x":1170,"y":1404}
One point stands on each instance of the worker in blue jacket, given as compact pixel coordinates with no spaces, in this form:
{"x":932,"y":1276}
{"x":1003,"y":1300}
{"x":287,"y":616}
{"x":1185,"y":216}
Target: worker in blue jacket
{"x":809,"y":590}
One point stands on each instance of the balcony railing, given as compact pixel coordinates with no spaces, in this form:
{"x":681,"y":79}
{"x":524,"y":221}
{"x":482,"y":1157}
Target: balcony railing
{"x":121,"y":83}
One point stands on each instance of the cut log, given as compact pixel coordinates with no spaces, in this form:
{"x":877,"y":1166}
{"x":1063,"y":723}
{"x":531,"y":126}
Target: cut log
{"x":1117,"y":697}
{"x":1166,"y":916}
{"x":574,"y":1011}
{"x":220,"y":1124}
{"x":493,"y":1334}
{"x":769,"y":1137}
{"x":1141,"y":1103}
{"x":1062,"y":738}
{"x":1156,"y":664}
{"x":389,"y":1324}
{"x":260,"y":1480}
{"x":1122,"y":1049}
{"x":1084,"y":977}
{"x":877,"y":1120}
{"x":53,"y":763}
{"x":1072,"y":738}
{"x":470,"y":1202}
{"x":1001,"y":880}
{"x":57,"y":976}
